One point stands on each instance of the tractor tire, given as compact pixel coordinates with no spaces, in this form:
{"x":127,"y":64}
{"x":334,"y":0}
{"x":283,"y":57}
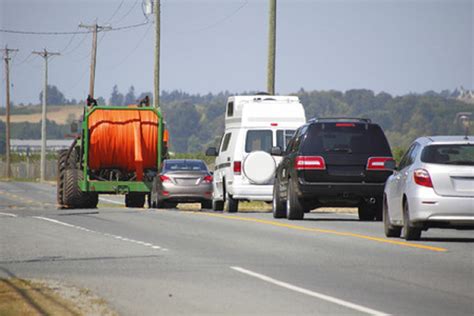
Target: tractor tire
{"x":73,"y":197}
{"x":61,"y":166}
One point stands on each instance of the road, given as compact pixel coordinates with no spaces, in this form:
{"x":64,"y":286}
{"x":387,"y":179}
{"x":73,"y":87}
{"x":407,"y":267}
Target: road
{"x":171,"y":262}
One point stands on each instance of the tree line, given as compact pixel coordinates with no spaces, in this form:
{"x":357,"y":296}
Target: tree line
{"x":196,"y":121}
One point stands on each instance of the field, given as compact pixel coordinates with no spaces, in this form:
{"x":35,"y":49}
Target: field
{"x":57,"y":113}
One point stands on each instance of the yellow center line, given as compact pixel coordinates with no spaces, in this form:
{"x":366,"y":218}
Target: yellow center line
{"x":325,"y":231}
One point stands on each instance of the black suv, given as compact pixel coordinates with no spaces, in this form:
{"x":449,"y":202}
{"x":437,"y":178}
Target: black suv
{"x":335,"y":162}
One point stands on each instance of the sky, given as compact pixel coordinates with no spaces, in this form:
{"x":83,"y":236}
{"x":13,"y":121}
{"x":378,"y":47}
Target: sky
{"x":396,"y":46}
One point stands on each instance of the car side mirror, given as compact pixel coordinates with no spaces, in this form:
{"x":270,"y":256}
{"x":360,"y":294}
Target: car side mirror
{"x":211,"y":151}
{"x":390,"y":165}
{"x":74,"y":127}
{"x":276,"y":151}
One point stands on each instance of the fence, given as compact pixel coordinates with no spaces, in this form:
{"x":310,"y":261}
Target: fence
{"x":30,"y":170}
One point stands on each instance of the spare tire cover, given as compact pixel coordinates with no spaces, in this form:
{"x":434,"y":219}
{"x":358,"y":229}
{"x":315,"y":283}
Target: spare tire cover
{"x":259,"y":167}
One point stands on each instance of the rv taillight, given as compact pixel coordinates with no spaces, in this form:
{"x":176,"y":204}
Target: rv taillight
{"x":310,"y":163}
{"x":377,"y":163}
{"x":422,"y":177}
{"x":273,"y":124}
{"x":237,"y":167}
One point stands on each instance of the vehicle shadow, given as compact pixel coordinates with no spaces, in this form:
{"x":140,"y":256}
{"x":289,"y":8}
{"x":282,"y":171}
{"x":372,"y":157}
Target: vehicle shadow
{"x":333,"y":219}
{"x":448,"y":239}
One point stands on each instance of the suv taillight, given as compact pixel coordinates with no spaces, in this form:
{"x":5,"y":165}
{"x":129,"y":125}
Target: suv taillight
{"x":310,"y":163}
{"x":377,"y":163}
{"x":237,"y":167}
{"x":422,"y":177}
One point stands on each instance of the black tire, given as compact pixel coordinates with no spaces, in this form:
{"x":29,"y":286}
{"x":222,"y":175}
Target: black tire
{"x":389,"y":229}
{"x":410,"y":232}
{"x":217,"y":205}
{"x":294,"y":207}
{"x":61,"y":166}
{"x":278,"y":206}
{"x":73,"y":196}
{"x":366,"y":212}
{"x":232,"y":205}
{"x":135,"y":199}
{"x":92,"y":200}
{"x":206,"y":205}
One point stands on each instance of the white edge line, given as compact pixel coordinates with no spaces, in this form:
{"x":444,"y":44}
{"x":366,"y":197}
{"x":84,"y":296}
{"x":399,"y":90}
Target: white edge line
{"x":110,"y":201}
{"x":8,"y":214}
{"x":54,"y":221}
{"x":311,"y":293}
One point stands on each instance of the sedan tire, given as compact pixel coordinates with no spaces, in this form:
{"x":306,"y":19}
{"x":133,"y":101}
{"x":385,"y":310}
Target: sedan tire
{"x":390,"y":230}
{"x":409,"y":231}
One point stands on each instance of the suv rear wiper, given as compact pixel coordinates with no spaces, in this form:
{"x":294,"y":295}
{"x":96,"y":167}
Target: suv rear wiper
{"x":339,"y":150}
{"x":460,"y":162}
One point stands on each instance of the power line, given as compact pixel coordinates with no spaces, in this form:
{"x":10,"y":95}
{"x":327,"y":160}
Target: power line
{"x":128,"y":12}
{"x":115,"y":12}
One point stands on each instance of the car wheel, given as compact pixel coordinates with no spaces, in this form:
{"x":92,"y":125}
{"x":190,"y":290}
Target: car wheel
{"x":217,"y":205}
{"x":294,"y":208}
{"x":409,"y":231}
{"x":232,"y":205}
{"x":366,"y":212}
{"x":390,"y":230}
{"x":278,"y":206}
{"x":206,"y":205}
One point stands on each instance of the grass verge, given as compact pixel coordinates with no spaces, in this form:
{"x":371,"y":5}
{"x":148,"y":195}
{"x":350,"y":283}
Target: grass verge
{"x":34,"y":297}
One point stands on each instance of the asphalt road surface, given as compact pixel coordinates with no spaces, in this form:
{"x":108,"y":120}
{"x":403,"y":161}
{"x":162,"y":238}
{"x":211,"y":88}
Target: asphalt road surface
{"x":171,"y":262}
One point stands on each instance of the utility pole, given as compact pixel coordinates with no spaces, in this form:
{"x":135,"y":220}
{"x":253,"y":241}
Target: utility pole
{"x":45,"y":54}
{"x":95,"y":29}
{"x":156,"y":91}
{"x":6,"y":58}
{"x":271,"y":49}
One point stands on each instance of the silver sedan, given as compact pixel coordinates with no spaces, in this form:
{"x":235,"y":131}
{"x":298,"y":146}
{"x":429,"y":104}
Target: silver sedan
{"x":433,"y":187}
{"x":182,"y":181}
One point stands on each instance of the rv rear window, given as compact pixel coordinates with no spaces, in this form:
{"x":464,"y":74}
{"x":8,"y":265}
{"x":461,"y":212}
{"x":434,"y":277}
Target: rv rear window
{"x":259,"y":140}
{"x":225,"y":142}
{"x":283,"y":138}
{"x":230,"y":109}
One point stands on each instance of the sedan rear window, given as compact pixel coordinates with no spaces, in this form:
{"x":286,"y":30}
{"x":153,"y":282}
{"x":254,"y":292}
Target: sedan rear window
{"x":346,"y":138}
{"x":184,"y":165}
{"x":449,"y":154}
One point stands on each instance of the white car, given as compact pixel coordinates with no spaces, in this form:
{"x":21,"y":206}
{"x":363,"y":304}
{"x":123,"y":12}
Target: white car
{"x":432,"y":187}
{"x":244,"y":167}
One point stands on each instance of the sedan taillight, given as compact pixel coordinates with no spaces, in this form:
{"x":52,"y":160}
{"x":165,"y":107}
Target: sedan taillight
{"x":422,"y":177}
{"x":310,"y":163}
{"x":164,"y":178}
{"x":207,"y":179}
{"x":377,"y":163}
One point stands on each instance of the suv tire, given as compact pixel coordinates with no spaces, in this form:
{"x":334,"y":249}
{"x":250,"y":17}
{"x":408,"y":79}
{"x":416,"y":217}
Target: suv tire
{"x":278,"y":206}
{"x":410,"y":232}
{"x":294,"y":208}
{"x":366,"y":212}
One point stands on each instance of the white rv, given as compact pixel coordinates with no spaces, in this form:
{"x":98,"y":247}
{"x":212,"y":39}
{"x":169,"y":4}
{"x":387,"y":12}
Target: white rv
{"x":244,"y":167}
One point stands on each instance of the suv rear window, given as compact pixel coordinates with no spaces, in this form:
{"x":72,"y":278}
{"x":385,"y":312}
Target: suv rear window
{"x":449,"y":154}
{"x":347,"y":138}
{"x":259,"y":140}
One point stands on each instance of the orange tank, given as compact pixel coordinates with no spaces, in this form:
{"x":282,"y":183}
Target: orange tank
{"x":123,"y":139}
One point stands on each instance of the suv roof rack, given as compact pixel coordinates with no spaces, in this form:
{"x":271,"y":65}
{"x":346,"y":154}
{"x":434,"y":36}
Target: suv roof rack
{"x":344,"y":119}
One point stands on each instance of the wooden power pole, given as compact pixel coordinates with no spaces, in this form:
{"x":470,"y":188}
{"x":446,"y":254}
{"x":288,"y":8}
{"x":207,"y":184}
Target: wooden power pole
{"x":156,"y":90}
{"x":271,"y":49}
{"x":6,"y":58}
{"x":95,"y":29}
{"x":45,"y":54}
